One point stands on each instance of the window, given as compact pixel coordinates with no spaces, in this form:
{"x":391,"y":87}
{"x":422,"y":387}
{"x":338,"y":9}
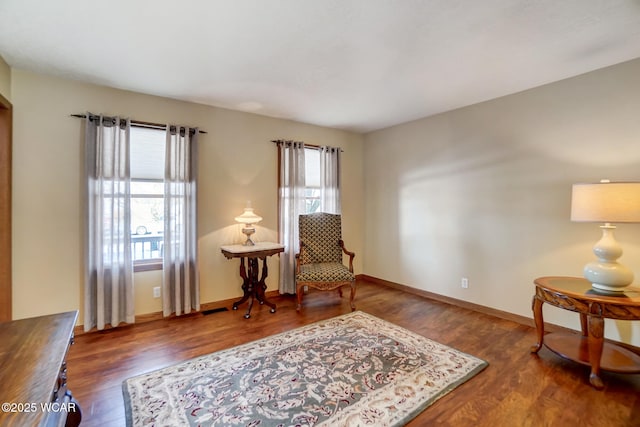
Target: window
{"x":321,"y":173}
{"x":147,"y":163}
{"x":315,"y":189}
{"x":125,"y":170}
{"x":312,"y":180}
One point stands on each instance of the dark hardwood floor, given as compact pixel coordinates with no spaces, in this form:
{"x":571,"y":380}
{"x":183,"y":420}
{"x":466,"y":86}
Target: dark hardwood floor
{"x":517,"y":389}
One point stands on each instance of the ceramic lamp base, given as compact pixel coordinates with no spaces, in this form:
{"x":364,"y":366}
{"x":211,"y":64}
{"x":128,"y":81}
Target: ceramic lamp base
{"x":609,"y":277}
{"x":607,"y":274}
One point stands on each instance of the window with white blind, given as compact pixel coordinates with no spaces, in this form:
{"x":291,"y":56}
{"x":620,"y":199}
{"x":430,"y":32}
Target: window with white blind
{"x":312,"y":180}
{"x":147,"y":163}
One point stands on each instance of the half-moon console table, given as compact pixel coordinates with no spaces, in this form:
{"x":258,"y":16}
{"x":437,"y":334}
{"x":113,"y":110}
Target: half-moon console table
{"x":252,"y":287}
{"x":590,"y":348}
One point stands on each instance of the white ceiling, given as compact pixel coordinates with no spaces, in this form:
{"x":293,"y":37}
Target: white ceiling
{"x":359,"y":65}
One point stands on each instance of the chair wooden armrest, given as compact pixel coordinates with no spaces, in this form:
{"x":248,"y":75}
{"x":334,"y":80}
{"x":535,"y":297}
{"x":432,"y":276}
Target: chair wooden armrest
{"x":347,"y":252}
{"x":297,"y":263}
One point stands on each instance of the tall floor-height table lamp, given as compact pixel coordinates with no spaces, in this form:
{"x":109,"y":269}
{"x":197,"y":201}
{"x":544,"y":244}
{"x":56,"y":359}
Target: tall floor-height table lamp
{"x":607,"y":202}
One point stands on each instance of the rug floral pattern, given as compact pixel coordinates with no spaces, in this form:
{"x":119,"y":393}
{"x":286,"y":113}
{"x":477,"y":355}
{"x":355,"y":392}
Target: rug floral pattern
{"x":353,"y":369}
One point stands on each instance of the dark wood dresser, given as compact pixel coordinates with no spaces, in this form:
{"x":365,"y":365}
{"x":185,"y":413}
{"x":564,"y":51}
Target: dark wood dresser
{"x":33,"y":372}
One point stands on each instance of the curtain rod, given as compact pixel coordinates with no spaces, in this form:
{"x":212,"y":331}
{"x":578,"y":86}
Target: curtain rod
{"x":312,"y":146}
{"x":138,"y":123}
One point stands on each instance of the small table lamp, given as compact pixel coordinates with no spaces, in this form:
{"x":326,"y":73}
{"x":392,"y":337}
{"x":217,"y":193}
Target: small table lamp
{"x":248,"y":218}
{"x":607,"y":202}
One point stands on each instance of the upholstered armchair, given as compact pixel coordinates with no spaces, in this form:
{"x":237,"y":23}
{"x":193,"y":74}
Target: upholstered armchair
{"x":319,"y":263}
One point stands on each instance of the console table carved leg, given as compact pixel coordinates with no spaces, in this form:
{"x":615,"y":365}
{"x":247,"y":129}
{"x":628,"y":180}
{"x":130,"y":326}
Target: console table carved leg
{"x":596,"y":343}
{"x":584,"y":325}
{"x":536,"y":305}
{"x":253,"y":284}
{"x":261,"y":287}
{"x":246,"y":285}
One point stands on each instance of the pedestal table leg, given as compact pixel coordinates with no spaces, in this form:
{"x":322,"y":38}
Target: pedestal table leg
{"x":246,"y":285}
{"x":253,"y":284}
{"x":261,"y":287}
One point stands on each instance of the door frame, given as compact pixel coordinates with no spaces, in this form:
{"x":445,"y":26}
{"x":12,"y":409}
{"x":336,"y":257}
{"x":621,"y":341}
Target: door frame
{"x":6,"y":121}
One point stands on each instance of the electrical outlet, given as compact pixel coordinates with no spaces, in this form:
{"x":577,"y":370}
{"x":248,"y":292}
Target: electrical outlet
{"x":156,"y":292}
{"x":464,"y":283}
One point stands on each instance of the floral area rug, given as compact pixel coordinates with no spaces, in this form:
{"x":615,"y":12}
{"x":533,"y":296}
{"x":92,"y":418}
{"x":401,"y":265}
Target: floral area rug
{"x":349,"y":370}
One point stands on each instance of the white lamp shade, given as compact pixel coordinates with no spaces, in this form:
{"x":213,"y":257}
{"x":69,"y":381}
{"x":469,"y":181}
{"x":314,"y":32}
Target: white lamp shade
{"x":606,"y":202}
{"x":248,"y":217}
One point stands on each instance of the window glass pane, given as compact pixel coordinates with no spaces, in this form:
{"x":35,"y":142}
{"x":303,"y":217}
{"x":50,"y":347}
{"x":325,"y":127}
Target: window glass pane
{"x":147,"y":188}
{"x":147,"y":227}
{"x":147,"y":214}
{"x":312,"y":199}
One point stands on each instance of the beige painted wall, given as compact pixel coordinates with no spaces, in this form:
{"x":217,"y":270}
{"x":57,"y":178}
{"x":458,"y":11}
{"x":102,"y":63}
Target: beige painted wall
{"x":237,"y":163}
{"x":481,"y":192}
{"x":484,"y":192}
{"x":5,"y":79}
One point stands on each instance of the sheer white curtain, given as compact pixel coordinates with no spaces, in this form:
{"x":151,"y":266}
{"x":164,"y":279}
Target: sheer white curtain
{"x":108,"y":289}
{"x":330,"y":179}
{"x":181,"y":292}
{"x":291,"y":205}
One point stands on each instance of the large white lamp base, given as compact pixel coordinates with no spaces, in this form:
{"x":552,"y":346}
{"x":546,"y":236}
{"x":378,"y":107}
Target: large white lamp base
{"x":607,"y":274}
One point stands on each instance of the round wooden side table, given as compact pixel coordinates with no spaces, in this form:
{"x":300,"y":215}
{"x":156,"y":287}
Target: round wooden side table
{"x":590,"y":348}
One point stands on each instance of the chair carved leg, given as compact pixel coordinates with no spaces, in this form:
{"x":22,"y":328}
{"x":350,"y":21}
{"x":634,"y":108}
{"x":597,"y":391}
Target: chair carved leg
{"x":352,"y":296}
{"x":299,"y":297}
